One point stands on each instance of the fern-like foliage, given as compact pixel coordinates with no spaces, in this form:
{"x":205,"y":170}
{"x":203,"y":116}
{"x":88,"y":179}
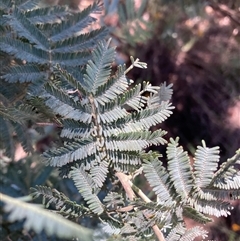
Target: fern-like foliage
{"x":106,"y":126}
{"x":51,"y":223}
{"x":34,"y":38}
{"x":66,"y":73}
{"x":42,"y":37}
{"x":106,"y":122}
{"x":179,"y":233}
{"x":189,"y":189}
{"x":85,"y":185}
{"x":62,"y":204}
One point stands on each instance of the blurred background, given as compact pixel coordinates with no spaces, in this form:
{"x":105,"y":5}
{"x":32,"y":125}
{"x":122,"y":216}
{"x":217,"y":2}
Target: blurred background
{"x":195,"y":45}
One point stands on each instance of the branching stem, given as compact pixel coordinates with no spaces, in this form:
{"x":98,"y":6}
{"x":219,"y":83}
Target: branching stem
{"x":130,"y":188}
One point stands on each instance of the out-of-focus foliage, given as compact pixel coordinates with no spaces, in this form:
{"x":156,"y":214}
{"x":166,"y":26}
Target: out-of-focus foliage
{"x":51,"y":223}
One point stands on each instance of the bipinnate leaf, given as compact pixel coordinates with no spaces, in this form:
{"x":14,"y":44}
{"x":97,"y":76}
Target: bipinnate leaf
{"x":193,"y":233}
{"x":179,"y":168}
{"x":39,"y":219}
{"x":99,"y":68}
{"x":195,"y":215}
{"x":85,"y":186}
{"x":24,"y":73}
{"x":205,"y":165}
{"x":26,"y":29}
{"x":158,"y":178}
{"x":228,"y":173}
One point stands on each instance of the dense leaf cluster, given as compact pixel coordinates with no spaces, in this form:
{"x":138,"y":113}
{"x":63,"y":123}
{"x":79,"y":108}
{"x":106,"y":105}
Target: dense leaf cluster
{"x":106,"y":121}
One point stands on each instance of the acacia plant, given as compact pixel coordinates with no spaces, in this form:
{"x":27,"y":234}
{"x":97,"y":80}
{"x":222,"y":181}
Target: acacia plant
{"x":106,"y":125}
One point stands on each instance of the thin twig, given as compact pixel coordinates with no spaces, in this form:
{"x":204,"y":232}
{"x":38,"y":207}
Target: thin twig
{"x":124,"y":180}
{"x":47,"y":124}
{"x":155,"y":228}
{"x":129,"y":187}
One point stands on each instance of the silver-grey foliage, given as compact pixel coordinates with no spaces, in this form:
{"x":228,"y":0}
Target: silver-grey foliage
{"x":107,"y":123}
